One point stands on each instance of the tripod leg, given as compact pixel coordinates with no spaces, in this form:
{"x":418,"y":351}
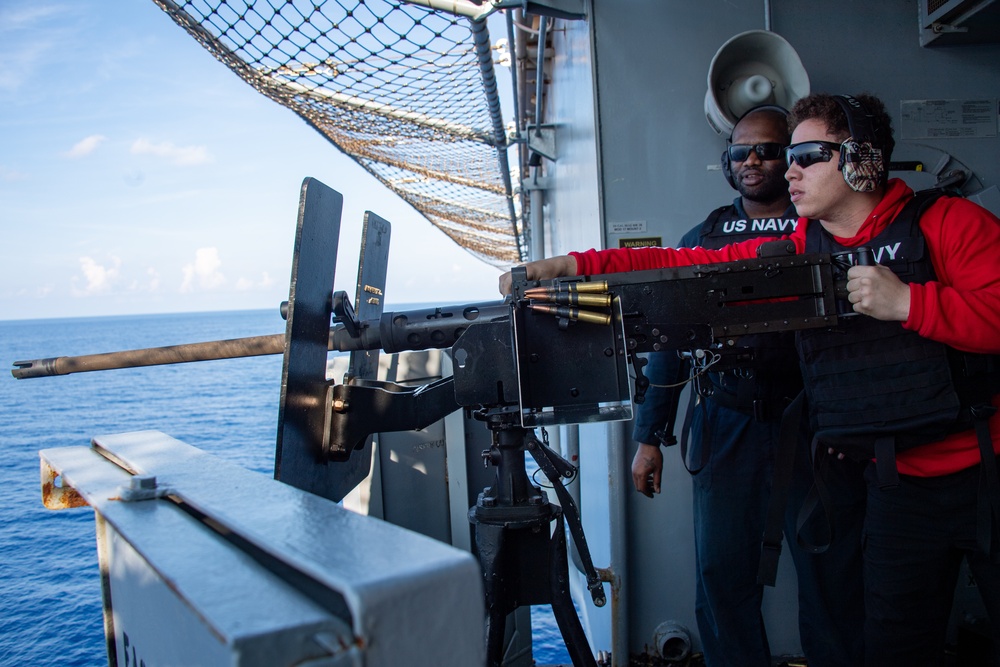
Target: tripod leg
{"x":562,"y":604}
{"x":496,"y":625}
{"x":489,"y":542}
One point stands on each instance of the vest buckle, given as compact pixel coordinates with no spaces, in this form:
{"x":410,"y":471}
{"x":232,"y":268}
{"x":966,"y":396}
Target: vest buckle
{"x":983,"y":411}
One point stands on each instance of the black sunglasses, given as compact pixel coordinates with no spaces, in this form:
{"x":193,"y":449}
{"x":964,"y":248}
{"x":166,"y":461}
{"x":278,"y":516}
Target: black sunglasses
{"x":768,"y":151}
{"x":809,"y":153}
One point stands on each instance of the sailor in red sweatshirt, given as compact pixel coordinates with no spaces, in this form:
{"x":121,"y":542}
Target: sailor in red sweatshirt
{"x":920,"y":370}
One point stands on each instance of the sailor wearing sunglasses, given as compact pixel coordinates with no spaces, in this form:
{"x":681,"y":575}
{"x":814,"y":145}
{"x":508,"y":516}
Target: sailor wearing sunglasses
{"x":732,"y":429}
{"x":912,"y":389}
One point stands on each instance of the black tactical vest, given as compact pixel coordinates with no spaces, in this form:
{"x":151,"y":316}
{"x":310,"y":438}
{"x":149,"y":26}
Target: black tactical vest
{"x":727,"y":224}
{"x":869,"y":380}
{"x":874,"y":388}
{"x":763,"y":385}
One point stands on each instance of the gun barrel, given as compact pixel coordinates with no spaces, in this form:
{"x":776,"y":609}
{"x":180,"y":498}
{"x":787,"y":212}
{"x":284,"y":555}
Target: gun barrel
{"x":437,"y":327}
{"x":153,"y":356}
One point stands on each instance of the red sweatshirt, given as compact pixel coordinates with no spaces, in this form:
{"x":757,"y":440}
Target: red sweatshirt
{"x":960,"y":309}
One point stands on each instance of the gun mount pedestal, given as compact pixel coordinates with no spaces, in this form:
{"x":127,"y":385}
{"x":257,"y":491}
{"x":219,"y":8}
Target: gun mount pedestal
{"x":523,"y":557}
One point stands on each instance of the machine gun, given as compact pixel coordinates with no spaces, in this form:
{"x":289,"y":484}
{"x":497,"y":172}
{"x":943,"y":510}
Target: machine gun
{"x":554,"y":352}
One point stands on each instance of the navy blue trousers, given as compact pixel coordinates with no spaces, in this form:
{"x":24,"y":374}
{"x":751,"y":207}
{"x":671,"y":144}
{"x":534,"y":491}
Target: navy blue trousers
{"x":916,"y":536}
{"x":831,"y":586}
{"x":731,"y":495}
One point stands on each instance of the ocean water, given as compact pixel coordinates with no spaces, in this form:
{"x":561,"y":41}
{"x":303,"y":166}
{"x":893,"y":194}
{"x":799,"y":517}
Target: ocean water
{"x":50,"y":601}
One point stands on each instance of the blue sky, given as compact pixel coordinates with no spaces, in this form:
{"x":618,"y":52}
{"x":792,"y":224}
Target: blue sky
{"x":140,"y":175}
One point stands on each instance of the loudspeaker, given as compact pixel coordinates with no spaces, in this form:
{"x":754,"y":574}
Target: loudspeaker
{"x":861,"y":162}
{"x":751,"y":69}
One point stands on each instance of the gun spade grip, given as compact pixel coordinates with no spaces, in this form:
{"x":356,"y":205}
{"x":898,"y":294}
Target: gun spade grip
{"x":866,"y":257}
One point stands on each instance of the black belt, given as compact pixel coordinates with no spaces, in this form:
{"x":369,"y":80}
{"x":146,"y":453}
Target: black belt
{"x":761,"y":405}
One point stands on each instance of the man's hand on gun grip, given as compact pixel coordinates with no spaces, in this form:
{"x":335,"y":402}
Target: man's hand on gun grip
{"x":877,"y":291}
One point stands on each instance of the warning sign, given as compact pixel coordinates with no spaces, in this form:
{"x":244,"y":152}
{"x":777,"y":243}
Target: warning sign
{"x":648,"y":241}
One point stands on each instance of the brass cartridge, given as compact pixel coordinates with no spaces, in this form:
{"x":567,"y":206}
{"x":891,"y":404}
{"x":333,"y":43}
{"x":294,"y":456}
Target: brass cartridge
{"x":578,"y":299}
{"x":572,"y":313}
{"x":595,"y":287}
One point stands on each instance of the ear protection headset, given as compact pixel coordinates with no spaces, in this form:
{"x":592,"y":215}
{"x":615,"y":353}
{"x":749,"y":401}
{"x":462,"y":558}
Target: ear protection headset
{"x":861,"y":162}
{"x":727,"y":166}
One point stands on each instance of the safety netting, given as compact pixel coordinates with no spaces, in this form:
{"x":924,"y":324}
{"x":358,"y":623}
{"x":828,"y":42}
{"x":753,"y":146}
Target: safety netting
{"x":397,"y":87}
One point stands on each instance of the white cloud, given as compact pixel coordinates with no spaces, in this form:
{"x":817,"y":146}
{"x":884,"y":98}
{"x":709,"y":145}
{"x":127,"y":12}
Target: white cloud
{"x":183,"y":156}
{"x":26,"y":42}
{"x":10,"y":174}
{"x":152,"y":283}
{"x":26,"y":17}
{"x":245,"y":284}
{"x":98,"y":278}
{"x":154,"y":279}
{"x":36,"y":292}
{"x":86,"y":146}
{"x":204,"y":272}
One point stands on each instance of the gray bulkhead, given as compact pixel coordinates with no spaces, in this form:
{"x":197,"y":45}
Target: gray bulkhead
{"x":636,"y":157}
